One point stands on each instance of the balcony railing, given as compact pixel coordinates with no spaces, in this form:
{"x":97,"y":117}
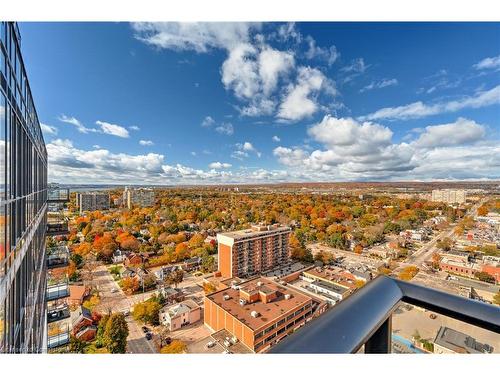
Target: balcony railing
{"x":57,"y":228}
{"x":57,"y":291}
{"x":58,"y":195}
{"x":58,"y":312}
{"x":60,"y":339}
{"x":57,"y":257}
{"x":365,"y":318}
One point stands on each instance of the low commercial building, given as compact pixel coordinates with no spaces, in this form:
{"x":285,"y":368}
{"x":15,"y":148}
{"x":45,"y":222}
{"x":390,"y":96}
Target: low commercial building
{"x":258,"y":312}
{"x":492,"y":269}
{"x":180,"y":315}
{"x":449,"y":341}
{"x":332,"y":275}
{"x":92,"y":201}
{"x":332,"y":292}
{"x":459,"y":267}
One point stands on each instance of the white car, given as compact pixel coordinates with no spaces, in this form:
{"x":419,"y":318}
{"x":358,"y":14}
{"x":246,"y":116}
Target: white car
{"x":210,"y":344}
{"x":114,"y":290}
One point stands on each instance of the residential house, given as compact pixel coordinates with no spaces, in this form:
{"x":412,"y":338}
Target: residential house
{"x":77,"y":294}
{"x":180,"y":315}
{"x":83,"y":326}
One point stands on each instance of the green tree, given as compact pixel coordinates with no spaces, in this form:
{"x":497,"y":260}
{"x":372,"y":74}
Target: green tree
{"x":147,"y":311}
{"x":115,"y":334}
{"x":101,"y":327}
{"x":207,"y":263}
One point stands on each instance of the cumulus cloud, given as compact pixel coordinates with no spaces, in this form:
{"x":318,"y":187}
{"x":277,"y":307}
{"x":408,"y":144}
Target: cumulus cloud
{"x":254,"y":71}
{"x":365,"y":150}
{"x":225,"y":128}
{"x":134,"y":128}
{"x":419,"y":109}
{"x":47,"y":129}
{"x":488,"y":63}
{"x":276,"y":138}
{"x":219,"y":165}
{"x":380,"y":84}
{"x":462,"y":131}
{"x":301,"y":98}
{"x":113,"y":129}
{"x":145,"y":142}
{"x":244,"y":148}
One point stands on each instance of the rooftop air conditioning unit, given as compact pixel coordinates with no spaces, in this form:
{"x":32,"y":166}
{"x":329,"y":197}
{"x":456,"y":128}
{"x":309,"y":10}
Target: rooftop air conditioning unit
{"x":288,"y":296}
{"x":259,"y":283}
{"x":255,"y":314}
{"x":226,"y":297}
{"x":242,"y":302}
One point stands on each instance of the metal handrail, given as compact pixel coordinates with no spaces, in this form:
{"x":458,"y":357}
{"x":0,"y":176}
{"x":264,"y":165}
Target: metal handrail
{"x":365,"y":318}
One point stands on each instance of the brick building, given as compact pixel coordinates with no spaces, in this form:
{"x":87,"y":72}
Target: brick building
{"x":258,"y":312}
{"x":252,"y":251}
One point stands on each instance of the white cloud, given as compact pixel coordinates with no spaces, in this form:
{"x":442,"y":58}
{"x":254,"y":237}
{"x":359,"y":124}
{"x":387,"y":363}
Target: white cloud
{"x":462,"y":131}
{"x":47,"y":129}
{"x":113,"y":129}
{"x":219,"y":165}
{"x":420,"y":109}
{"x":207,"y":122}
{"x":243,"y":149}
{"x":198,"y":36}
{"x":135,"y":128}
{"x":329,"y":55}
{"x":356,"y":66}
{"x":488,"y":63}
{"x":77,"y":123}
{"x":380,"y":84}
{"x":301,"y":98}
{"x":225,"y":128}
{"x":354,"y":150}
{"x":193,"y":153}
{"x":144,"y":142}
{"x":276,"y":138}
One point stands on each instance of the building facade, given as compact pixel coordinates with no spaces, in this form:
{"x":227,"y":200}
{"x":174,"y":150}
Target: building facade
{"x":449,"y":196}
{"x":258,"y":312}
{"x":180,"y":315}
{"x":141,"y":197}
{"x":23,"y":205}
{"x":252,"y":251}
{"x":92,"y":201}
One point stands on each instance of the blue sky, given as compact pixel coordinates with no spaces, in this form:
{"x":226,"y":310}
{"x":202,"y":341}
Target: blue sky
{"x":167,"y":103}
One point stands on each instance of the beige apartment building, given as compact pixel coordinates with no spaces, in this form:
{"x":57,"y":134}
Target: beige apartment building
{"x":449,"y":196}
{"x":140,"y":197}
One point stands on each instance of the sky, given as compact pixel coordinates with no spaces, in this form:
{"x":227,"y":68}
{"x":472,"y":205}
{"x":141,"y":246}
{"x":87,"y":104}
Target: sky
{"x":215,"y":103}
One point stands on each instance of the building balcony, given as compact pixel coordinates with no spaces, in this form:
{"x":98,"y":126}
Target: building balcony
{"x":59,"y":312}
{"x":57,"y":228}
{"x":57,"y":257}
{"x":57,"y":291}
{"x":58,"y":339}
{"x":58,"y":195}
{"x":364,"y":320}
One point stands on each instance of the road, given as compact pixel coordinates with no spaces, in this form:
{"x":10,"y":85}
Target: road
{"x":428,"y":249}
{"x":118,"y":301}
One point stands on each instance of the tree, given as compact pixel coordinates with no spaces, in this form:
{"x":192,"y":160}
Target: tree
{"x":496,"y":298}
{"x":130,"y":285}
{"x":207,"y":263}
{"x":130,"y":244}
{"x":408,"y":273}
{"x":484,"y":276}
{"x":436,"y":259}
{"x":147,"y":311}
{"x":101,"y":327}
{"x":445,"y":244}
{"x":76,"y":345}
{"x":116,"y":333}
{"x":358,"y":249}
{"x":176,"y":277}
{"x":209,"y":288}
{"x":175,"y":347}
{"x":483,"y":210}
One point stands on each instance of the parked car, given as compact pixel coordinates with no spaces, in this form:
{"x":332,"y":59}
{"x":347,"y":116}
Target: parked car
{"x":168,"y":340}
{"x":210,"y":344}
{"x":114,"y":290}
{"x":145,"y":329}
{"x":149,"y":336}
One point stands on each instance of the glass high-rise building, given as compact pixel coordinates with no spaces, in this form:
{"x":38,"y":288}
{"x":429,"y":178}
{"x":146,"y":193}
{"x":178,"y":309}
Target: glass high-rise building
{"x":23,"y":205}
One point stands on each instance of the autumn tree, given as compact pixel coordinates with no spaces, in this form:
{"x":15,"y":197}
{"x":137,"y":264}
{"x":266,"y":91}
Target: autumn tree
{"x":130,"y":285}
{"x":175,"y":347}
{"x":496,"y":298}
{"x":483,"y":210}
{"x":116,"y":333}
{"x":147,"y":312}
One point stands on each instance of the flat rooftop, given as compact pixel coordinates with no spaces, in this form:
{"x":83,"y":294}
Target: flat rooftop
{"x":331,"y":287}
{"x":255,"y":232}
{"x":267,"y":311}
{"x":286,"y":269}
{"x":458,"y":342}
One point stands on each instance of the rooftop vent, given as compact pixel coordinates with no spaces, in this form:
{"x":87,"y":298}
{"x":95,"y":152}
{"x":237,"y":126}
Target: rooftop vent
{"x":255,"y":314}
{"x":259,"y":283}
{"x":288,"y":296}
{"x":226,"y":297}
{"x":242,"y":302}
